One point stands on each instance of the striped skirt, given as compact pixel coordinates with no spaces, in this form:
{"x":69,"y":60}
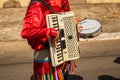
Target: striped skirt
{"x":43,"y":69}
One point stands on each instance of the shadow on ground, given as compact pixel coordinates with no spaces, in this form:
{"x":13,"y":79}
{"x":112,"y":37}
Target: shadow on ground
{"x":107,"y":77}
{"x":74,"y":77}
{"x":117,"y":60}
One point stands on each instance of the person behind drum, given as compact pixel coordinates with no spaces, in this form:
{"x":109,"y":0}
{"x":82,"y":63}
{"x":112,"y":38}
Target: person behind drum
{"x":37,"y":35}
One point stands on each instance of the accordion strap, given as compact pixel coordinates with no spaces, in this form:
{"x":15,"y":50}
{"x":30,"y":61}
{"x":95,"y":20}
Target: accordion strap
{"x":45,"y":4}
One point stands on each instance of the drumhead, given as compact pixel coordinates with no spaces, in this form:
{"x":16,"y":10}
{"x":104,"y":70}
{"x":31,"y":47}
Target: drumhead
{"x":91,"y":27}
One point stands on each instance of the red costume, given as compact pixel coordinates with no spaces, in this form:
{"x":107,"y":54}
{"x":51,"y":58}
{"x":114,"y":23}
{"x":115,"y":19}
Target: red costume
{"x":37,"y":34}
{"x":34,"y":28}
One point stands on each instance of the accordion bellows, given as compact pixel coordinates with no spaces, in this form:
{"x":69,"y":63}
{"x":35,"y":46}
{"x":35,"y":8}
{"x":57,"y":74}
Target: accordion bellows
{"x":67,"y":47}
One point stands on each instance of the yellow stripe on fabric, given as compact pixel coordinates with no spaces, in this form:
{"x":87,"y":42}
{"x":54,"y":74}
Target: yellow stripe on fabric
{"x":42,"y":77}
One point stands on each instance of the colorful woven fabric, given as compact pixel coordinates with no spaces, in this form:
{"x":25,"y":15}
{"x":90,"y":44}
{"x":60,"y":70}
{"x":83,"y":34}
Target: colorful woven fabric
{"x":45,"y":71}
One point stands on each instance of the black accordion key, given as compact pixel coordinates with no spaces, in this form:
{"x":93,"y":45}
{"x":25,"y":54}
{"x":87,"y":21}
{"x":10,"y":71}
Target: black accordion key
{"x":62,"y":33}
{"x":63,"y":45}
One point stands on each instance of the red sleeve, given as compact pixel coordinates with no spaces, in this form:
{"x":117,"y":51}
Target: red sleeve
{"x":35,"y":24}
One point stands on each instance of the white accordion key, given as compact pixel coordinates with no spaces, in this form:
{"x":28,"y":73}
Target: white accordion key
{"x":67,"y":46}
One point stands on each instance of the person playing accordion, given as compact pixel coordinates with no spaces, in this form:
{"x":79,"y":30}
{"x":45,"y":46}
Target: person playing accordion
{"x":37,"y":34}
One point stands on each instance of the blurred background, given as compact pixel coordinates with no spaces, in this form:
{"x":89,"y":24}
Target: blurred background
{"x":100,"y":56}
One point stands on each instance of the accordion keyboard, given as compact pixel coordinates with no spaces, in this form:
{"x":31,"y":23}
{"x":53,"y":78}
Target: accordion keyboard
{"x":67,"y":46}
{"x":56,"y":51}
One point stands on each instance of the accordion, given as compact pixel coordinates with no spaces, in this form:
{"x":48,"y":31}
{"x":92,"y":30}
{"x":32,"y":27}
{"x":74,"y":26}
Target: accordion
{"x":67,"y":46}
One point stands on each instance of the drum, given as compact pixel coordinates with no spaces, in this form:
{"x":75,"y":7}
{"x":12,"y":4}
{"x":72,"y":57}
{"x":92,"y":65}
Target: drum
{"x":91,"y":28}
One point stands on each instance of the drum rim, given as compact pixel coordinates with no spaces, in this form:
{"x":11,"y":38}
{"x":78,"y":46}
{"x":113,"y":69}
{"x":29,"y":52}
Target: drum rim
{"x":90,"y":35}
{"x":94,"y":33}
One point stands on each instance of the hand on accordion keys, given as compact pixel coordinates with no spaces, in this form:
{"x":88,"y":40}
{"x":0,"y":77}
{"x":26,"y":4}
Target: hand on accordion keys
{"x":55,"y":40}
{"x":79,"y":27}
